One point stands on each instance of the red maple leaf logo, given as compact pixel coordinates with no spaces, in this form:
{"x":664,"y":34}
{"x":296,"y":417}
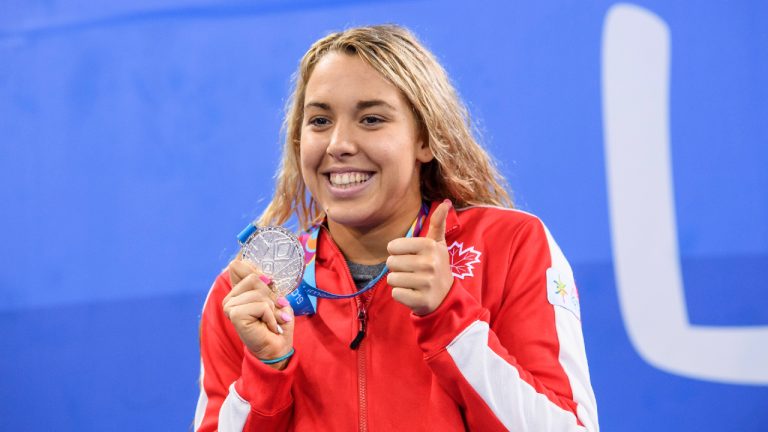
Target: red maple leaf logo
{"x":462,"y":260}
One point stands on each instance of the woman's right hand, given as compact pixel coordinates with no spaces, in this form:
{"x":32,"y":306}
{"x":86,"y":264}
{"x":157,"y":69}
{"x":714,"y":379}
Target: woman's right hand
{"x":264,"y":323}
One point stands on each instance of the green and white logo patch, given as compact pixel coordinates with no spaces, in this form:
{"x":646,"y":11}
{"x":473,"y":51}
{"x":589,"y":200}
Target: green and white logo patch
{"x":561,"y":291}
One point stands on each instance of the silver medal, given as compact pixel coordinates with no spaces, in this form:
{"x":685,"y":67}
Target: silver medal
{"x":277,"y":253}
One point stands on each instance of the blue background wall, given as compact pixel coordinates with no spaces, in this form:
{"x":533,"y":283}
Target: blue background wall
{"x":138,"y":137}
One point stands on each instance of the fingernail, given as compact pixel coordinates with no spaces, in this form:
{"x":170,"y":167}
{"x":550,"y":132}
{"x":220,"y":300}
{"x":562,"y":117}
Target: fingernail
{"x":265,"y":279}
{"x":283,"y":302}
{"x":286,"y":317}
{"x":448,"y":201}
{"x":279,"y":329}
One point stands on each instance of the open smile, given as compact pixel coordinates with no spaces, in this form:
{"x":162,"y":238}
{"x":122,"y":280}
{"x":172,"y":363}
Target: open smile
{"x":349,"y":183}
{"x":348,"y":180}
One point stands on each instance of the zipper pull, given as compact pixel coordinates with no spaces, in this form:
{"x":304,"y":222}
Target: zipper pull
{"x":361,"y":316}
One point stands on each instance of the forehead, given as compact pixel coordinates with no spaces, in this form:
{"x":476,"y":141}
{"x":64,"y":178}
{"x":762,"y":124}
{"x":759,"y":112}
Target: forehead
{"x":343,"y":78}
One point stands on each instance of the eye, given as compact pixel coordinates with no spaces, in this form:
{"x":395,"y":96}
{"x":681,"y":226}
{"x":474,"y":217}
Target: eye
{"x":371,"y":120}
{"x":319,"y":121}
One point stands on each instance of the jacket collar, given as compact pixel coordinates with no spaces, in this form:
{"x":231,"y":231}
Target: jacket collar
{"x":451,"y":224}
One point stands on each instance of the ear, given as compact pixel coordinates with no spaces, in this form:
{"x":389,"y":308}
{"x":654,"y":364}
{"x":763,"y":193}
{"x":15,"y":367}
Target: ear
{"x":423,"y":152}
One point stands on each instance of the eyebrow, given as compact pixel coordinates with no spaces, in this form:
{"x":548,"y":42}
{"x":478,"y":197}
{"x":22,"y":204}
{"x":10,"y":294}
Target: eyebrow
{"x":322,"y":106}
{"x":360,"y":105}
{"x":373,"y":103}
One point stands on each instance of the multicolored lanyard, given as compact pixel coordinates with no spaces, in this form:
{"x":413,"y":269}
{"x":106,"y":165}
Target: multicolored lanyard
{"x":304,"y":298}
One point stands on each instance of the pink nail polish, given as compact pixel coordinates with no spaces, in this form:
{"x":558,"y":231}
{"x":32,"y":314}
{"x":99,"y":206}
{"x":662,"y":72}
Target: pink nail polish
{"x":265,"y":279}
{"x":286,"y":317}
{"x":283,"y":302}
{"x":448,"y":201}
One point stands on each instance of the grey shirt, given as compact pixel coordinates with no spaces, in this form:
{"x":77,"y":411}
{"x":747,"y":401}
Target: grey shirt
{"x":363,"y":274}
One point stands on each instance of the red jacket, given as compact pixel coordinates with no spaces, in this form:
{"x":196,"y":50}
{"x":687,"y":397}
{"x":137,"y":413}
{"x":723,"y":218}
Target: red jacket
{"x":504,"y":351}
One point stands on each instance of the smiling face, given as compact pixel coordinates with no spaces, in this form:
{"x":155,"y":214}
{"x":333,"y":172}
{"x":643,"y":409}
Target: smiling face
{"x":360,"y":148}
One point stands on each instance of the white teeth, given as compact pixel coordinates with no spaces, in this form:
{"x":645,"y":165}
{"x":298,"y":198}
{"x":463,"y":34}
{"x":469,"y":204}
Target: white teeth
{"x":348,"y":179}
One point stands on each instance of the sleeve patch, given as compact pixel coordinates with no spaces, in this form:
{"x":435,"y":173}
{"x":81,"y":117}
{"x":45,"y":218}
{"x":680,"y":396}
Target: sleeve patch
{"x":562,"y":291}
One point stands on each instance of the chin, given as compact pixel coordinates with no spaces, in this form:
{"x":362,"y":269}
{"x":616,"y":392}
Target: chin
{"x":353,"y":216}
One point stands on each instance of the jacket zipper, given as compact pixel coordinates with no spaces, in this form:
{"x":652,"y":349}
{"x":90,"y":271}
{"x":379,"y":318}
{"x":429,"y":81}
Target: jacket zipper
{"x":362,"y":384}
{"x":362,"y":320}
{"x":362,"y":302}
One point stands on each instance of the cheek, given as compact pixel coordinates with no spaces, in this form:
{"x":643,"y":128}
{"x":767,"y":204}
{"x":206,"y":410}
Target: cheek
{"x":309,"y":155}
{"x":307,"y":166}
{"x":393,"y":151}
{"x":401,"y":158}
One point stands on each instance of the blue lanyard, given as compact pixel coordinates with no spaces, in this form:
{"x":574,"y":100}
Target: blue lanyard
{"x":304,"y":298}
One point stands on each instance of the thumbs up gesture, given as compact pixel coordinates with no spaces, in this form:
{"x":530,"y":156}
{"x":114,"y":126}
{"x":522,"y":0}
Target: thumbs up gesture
{"x":420,"y":271}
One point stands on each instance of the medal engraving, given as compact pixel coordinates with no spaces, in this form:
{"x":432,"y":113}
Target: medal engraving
{"x":277,"y":253}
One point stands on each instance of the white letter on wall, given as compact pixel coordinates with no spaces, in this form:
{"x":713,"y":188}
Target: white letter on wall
{"x":635,"y":68}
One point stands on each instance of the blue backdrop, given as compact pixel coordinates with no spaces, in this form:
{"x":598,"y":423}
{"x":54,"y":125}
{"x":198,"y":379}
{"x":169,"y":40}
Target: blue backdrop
{"x":138,"y":137}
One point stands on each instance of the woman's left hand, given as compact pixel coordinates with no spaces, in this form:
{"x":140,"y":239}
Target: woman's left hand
{"x":420,"y":270}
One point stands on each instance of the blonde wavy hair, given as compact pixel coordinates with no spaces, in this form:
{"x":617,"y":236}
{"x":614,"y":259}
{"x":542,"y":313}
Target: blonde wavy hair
{"x":461,"y":169}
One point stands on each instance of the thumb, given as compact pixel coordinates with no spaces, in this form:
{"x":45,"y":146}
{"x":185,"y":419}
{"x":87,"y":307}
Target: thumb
{"x":437,"y":221}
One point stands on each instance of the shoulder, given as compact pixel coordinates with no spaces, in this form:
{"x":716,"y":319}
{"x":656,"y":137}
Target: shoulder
{"x":502,"y":229}
{"x":494,"y":212}
{"x":497,"y":220}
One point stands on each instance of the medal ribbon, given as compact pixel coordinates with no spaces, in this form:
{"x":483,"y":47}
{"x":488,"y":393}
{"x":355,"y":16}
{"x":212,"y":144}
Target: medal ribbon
{"x":304,"y":298}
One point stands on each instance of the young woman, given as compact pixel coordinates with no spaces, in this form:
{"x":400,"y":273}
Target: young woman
{"x":476,"y":324}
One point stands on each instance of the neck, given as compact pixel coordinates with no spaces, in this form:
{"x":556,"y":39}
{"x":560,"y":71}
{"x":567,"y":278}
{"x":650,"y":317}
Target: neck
{"x":369,"y":245}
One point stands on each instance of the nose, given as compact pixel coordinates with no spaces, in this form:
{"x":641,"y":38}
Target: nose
{"x":342,"y":142}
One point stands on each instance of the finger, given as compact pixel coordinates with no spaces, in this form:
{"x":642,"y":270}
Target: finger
{"x":284,"y":312}
{"x":283,"y":316}
{"x":259,"y":311}
{"x":412,"y":245}
{"x":407,"y":263}
{"x":253,"y":281}
{"x":412,"y":281}
{"x":406,"y":296}
{"x":284,"y":305}
{"x":437,"y":221}
{"x":252,"y":296}
{"x":246,"y":284}
{"x":244,"y":297}
{"x":238,"y":270}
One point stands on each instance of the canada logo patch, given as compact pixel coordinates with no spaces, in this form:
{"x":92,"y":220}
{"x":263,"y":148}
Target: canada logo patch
{"x":562,"y":291}
{"x":463,"y":260}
